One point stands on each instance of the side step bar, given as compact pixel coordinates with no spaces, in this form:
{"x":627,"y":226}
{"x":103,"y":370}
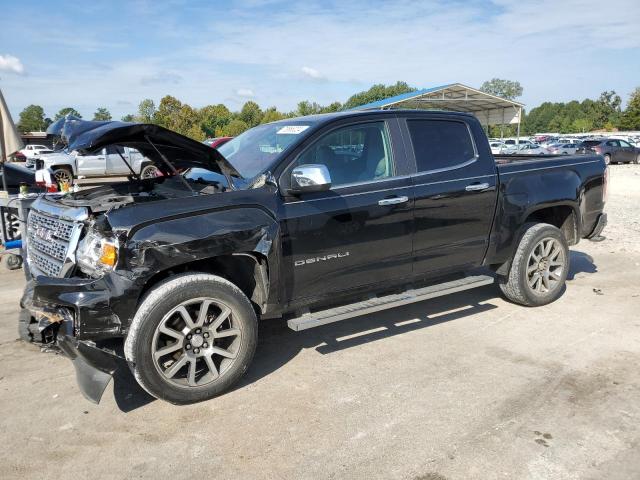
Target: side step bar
{"x":315,"y":319}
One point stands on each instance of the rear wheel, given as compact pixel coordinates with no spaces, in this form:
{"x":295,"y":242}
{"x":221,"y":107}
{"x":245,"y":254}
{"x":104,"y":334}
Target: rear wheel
{"x":539,"y":267}
{"x":149,"y":171}
{"x":637,"y":160}
{"x":192,"y":338}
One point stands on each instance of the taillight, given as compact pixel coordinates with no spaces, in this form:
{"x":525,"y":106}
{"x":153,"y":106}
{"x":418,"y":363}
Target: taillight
{"x":605,"y":185}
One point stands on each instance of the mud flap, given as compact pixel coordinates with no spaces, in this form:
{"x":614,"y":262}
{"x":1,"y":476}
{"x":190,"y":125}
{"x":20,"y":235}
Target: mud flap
{"x":94,"y":366}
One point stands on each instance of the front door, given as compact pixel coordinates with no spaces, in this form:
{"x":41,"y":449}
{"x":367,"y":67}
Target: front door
{"x":93,"y":165}
{"x":358,"y":233}
{"x":628,"y":152}
{"x":115,"y":163}
{"x":455,"y":194}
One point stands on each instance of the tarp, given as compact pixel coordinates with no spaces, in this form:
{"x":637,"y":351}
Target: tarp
{"x":12,"y":141}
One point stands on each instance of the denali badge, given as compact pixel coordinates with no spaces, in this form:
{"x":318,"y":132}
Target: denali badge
{"x":322,"y":258}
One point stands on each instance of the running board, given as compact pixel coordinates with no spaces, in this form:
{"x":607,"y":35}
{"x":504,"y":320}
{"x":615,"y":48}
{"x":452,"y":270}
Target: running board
{"x":315,"y":319}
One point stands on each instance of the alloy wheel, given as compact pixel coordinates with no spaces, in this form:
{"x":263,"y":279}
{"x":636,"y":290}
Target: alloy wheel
{"x":196,"y":342}
{"x":545,"y":266}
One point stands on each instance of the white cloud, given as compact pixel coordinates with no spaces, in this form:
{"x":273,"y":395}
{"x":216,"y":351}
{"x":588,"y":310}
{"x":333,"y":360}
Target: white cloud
{"x":312,"y":73}
{"x":245,"y":92}
{"x":11,"y":64}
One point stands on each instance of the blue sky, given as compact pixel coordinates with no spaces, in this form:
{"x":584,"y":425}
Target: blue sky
{"x":91,"y":53}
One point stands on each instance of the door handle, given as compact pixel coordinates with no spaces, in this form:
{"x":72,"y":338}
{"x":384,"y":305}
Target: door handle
{"x":393,"y":201}
{"x":474,"y":187}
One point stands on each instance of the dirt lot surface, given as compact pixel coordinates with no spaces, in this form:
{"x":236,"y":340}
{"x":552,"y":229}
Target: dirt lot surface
{"x":467,"y":386}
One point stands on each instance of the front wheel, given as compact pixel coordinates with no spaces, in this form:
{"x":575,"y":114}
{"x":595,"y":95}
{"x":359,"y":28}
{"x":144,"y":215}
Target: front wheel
{"x":192,"y":338}
{"x":637,"y":159}
{"x":607,"y":159}
{"x":539,"y":267}
{"x":63,"y":175}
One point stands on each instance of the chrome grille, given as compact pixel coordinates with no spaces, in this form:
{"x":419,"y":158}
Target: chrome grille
{"x":51,"y":240}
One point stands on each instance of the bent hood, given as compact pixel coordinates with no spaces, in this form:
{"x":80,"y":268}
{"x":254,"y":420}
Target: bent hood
{"x":183,"y":152}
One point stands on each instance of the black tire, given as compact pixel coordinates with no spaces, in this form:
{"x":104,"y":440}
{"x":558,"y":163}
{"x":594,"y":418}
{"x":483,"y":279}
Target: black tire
{"x":515,"y":285}
{"x":12,"y":261}
{"x":607,"y":159}
{"x":159,"y":302}
{"x":637,"y":159}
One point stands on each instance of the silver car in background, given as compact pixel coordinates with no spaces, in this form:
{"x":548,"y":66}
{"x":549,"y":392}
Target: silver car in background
{"x":563,"y":148}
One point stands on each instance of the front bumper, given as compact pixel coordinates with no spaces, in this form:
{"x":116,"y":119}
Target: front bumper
{"x":94,"y":366}
{"x":83,"y":313}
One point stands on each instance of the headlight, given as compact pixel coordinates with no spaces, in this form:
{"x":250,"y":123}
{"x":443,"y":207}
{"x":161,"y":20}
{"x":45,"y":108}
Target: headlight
{"x":97,"y":253}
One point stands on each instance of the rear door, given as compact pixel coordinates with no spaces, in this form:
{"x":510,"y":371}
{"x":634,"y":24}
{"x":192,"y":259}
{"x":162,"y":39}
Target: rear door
{"x":358,"y":233}
{"x":455,"y":193}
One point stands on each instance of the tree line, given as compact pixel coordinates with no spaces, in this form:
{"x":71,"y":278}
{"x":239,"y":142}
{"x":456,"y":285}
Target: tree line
{"x":603,"y":113}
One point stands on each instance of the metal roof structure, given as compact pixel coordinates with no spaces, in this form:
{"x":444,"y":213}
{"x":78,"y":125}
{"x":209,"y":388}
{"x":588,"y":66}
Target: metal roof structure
{"x":489,"y":109}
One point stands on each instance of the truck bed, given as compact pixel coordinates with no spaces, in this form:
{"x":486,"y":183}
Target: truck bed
{"x":515,"y":163}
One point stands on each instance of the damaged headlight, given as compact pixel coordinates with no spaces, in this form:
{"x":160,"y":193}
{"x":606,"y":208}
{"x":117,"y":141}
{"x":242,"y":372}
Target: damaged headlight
{"x":97,"y":253}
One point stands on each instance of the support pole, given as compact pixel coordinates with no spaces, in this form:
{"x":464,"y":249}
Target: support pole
{"x":519,"y":117}
{"x":3,"y":154}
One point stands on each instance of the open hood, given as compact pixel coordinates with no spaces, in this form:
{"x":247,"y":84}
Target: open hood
{"x":182,"y":152}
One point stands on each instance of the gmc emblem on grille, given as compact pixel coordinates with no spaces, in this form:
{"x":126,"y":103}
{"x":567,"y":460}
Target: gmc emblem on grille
{"x":44,"y":233}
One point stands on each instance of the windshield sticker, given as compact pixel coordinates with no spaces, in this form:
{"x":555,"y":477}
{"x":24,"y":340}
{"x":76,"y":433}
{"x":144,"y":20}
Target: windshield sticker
{"x":292,"y":129}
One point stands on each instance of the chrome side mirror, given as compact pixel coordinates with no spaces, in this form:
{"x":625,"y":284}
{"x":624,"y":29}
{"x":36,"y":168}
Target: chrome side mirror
{"x":310,"y":178}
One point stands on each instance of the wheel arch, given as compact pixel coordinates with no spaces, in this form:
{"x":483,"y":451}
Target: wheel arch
{"x":249,"y":271}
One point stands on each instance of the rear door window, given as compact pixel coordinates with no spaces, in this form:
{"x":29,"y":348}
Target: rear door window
{"x":440,"y":144}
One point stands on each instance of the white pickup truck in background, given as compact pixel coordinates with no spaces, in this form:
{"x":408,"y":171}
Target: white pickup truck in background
{"x":108,"y":162}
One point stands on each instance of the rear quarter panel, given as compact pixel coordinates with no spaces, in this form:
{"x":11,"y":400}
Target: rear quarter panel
{"x":527,"y":186}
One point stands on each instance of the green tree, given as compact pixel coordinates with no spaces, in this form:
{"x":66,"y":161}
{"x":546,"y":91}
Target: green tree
{"x":213,"y":118}
{"x":251,"y":114}
{"x":500,"y":87}
{"x":308,"y":108}
{"x":271,"y":114}
{"x":333,"y":107}
{"x":128,"y":118}
{"x":32,"y":119}
{"x":630,"y":119}
{"x":233,"y":129}
{"x":146,"y":111}
{"x":67,"y":111}
{"x":167,"y":112}
{"x":102,"y":114}
{"x":607,"y":109}
{"x":377,"y":92}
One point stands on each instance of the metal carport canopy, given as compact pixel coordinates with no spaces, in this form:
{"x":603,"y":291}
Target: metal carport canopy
{"x":489,"y":109}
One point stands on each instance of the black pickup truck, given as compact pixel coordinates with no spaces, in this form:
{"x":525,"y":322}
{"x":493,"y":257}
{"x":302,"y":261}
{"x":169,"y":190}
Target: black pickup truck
{"x":314,"y":219}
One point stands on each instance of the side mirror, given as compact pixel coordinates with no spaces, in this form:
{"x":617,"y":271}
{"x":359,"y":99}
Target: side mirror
{"x":310,"y":178}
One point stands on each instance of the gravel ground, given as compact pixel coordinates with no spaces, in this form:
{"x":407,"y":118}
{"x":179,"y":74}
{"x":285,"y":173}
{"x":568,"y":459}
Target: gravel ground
{"x":463,"y":387}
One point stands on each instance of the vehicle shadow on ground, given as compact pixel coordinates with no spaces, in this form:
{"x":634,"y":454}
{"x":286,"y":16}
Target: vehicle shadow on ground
{"x":277,"y":344}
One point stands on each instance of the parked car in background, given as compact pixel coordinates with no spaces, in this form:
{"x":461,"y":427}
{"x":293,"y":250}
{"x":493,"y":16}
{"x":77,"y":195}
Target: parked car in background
{"x":497,"y":148}
{"x":531,"y":149}
{"x":110,"y":161}
{"x":19,"y":157}
{"x":612,"y":149}
{"x":33,"y":151}
{"x":563,"y":148}
{"x":217,"y":141}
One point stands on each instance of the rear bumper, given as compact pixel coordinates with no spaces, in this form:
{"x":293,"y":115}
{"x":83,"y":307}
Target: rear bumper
{"x":599,"y":227}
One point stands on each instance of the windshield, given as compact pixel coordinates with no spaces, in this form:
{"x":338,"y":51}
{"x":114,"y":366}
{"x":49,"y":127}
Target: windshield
{"x":255,"y":150}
